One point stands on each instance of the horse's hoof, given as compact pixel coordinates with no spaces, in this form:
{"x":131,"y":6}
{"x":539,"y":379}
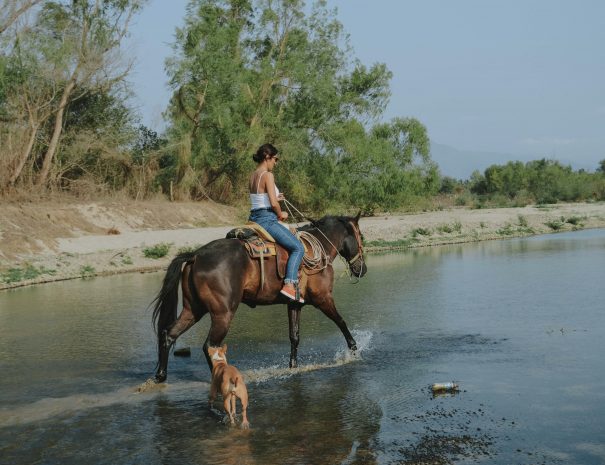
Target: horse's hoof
{"x":148,"y":385}
{"x":353,"y":348}
{"x":160,"y":377}
{"x":293,"y":364}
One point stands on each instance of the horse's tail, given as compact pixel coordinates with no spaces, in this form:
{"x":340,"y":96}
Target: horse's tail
{"x":165,"y":308}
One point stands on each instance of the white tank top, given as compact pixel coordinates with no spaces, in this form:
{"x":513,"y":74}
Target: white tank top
{"x":261,"y":200}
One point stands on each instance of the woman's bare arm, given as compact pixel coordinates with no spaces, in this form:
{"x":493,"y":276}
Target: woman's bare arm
{"x":270,"y":189}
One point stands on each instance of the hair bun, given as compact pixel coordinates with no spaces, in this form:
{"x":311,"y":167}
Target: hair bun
{"x":264,"y":151}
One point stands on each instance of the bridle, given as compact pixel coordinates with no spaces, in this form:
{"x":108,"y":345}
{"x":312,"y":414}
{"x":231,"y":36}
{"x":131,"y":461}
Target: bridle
{"x":357,"y":259}
{"x":318,"y":263}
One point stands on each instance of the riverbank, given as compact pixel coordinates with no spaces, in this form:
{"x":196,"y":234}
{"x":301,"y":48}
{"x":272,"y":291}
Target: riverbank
{"x":51,"y":242}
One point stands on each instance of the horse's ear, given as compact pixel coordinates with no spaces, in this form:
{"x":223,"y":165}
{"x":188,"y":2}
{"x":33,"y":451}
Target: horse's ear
{"x":312,"y":222}
{"x":356,"y":219}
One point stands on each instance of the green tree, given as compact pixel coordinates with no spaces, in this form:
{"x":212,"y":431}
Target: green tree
{"x":10,"y":10}
{"x":478,"y":183}
{"x":250,"y":71}
{"x":546,"y":181}
{"x":95,"y":143}
{"x":61,"y":87}
{"x":27,"y":104}
{"x":81,"y":40}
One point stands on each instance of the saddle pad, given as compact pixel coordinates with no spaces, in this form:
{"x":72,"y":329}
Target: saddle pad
{"x":257,"y":248}
{"x":260,"y":244}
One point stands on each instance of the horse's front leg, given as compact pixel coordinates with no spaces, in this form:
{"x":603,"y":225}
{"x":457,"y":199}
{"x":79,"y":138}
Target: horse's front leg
{"x":328,"y":307}
{"x":294,"y":324}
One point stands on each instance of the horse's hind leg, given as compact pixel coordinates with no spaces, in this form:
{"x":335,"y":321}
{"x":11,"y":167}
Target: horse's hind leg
{"x":218,"y":331}
{"x":185,"y":321}
{"x":328,"y":307}
{"x":187,"y":318}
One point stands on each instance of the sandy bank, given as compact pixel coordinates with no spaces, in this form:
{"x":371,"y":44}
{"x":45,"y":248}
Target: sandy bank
{"x":42,"y":243}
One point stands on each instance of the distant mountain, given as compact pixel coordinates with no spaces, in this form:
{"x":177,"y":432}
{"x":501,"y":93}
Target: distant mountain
{"x":460,"y":164}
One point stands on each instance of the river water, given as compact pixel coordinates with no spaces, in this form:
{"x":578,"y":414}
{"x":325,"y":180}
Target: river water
{"x":519,"y":324}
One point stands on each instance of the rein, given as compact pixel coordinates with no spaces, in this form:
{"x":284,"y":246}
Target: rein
{"x":320,"y":258}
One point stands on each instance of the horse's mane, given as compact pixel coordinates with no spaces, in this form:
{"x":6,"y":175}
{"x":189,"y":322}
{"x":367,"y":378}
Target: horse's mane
{"x":325,"y":221}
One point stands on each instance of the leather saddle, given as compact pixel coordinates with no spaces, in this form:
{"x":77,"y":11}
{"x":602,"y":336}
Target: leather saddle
{"x":260,"y":245}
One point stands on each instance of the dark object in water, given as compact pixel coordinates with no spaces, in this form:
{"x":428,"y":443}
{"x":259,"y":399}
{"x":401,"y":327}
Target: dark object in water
{"x":182,"y":352}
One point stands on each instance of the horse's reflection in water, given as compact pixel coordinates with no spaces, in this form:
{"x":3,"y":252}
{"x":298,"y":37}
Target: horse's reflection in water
{"x":220,"y":275}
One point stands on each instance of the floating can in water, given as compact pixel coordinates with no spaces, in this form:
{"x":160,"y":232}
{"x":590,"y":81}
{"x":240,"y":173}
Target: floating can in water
{"x":445,"y":387}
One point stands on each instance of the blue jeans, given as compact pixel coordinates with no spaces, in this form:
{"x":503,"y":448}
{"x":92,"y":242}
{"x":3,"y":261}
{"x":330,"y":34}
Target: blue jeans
{"x":268,"y":220}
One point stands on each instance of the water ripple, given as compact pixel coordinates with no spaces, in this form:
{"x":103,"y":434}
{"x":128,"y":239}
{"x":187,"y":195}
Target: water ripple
{"x":54,"y":406}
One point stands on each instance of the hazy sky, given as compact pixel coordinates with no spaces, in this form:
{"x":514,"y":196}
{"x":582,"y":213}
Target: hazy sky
{"x":523,"y":77}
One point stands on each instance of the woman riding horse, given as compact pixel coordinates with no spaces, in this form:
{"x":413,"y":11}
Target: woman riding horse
{"x":221,"y":274}
{"x":265,"y":210}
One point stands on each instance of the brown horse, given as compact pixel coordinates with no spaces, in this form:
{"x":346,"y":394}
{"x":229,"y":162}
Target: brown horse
{"x":221,"y":274}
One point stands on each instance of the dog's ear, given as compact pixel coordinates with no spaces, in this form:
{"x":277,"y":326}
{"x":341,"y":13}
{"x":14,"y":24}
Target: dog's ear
{"x":211,"y":351}
{"x":224,"y":348}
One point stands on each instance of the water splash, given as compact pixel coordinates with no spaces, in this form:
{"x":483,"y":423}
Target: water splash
{"x":341,"y":357}
{"x":363,"y":339}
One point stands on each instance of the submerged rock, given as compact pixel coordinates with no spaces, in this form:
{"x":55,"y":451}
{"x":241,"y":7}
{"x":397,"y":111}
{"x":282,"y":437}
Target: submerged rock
{"x":182,"y":352}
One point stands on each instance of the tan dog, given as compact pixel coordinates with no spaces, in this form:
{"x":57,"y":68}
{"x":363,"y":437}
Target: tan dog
{"x":229,"y":381}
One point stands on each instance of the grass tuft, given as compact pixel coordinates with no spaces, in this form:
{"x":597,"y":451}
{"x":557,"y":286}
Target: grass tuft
{"x":555,"y":225}
{"x":576,"y":220}
{"x":188,"y":249}
{"x":157,"y":251}
{"x":87,"y":271}
{"x":14,"y":275}
{"x":421,"y":232}
{"x":450,"y":228}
